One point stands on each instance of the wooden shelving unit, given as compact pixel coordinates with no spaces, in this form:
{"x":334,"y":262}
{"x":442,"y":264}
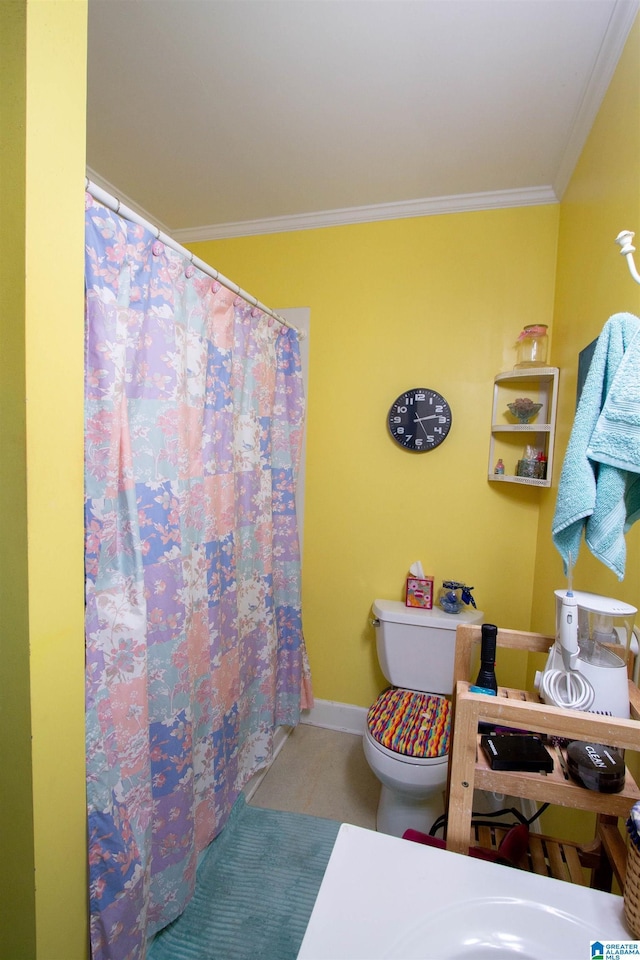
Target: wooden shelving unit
{"x":523,"y":710}
{"x":508,"y":437}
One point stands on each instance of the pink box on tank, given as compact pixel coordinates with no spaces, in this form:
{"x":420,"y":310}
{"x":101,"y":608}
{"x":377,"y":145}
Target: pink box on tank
{"x":419,"y":593}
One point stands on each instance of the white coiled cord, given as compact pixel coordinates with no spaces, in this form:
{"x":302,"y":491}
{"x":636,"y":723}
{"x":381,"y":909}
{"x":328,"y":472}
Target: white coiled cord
{"x":578,"y":694}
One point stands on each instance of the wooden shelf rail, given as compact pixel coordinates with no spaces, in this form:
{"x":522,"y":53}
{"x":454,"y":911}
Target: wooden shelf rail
{"x":521,"y":710}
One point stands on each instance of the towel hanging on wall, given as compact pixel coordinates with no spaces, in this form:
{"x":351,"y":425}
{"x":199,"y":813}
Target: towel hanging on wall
{"x":599,"y":489}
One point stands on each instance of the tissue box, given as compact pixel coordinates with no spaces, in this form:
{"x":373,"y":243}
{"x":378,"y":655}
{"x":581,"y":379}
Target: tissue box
{"x":419,"y":593}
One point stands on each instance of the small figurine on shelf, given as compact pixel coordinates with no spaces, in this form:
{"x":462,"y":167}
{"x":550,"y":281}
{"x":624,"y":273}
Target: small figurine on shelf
{"x":499,"y":467}
{"x":541,"y":462}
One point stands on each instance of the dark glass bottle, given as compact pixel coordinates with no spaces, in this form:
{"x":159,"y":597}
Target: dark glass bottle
{"x":487,"y":674}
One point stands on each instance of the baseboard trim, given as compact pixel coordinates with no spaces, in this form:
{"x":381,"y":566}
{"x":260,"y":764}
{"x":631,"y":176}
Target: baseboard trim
{"x":333,"y":715}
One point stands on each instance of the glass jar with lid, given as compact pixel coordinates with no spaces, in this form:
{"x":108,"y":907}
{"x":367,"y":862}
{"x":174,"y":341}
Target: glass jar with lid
{"x":453,"y":596}
{"x":533,"y":344}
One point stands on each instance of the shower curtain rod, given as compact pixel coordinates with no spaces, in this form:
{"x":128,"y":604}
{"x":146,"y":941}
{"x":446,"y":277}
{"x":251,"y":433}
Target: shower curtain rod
{"x":112,"y":203}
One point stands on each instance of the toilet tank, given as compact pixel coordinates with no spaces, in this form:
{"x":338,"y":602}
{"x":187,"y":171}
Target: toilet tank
{"x":416,"y":648}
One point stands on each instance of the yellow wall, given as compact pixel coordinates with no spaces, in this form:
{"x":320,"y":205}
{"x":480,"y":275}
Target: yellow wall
{"x":593,"y":282}
{"x":44,"y":901}
{"x":17,"y":905}
{"x":438,"y":302}
{"x":432,"y":301}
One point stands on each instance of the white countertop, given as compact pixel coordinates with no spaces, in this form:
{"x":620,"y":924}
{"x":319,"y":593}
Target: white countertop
{"x":382,"y":897}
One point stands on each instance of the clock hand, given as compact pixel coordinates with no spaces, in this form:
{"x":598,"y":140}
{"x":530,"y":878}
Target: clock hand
{"x":424,"y":429}
{"x":430,"y":417}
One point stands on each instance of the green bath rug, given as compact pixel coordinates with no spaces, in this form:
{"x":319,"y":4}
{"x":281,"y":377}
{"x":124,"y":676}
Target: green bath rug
{"x":255,"y":889}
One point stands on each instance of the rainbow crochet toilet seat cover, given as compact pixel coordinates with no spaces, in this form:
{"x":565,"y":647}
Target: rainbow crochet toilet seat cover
{"x":414,"y":724}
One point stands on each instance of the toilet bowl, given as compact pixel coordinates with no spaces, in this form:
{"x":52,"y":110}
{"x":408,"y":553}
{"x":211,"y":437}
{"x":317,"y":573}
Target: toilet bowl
{"x":406,"y":738}
{"x":412,"y":788}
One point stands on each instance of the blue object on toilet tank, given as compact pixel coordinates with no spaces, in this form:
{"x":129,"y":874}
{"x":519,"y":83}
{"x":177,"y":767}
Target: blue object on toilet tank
{"x":454,"y":596}
{"x":467,"y":597}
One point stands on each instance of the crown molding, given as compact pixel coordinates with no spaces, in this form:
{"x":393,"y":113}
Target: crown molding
{"x":431,"y":206}
{"x":622,"y":17}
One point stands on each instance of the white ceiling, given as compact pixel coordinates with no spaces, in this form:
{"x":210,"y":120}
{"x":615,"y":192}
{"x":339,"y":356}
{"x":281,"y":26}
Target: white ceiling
{"x":222,"y":118}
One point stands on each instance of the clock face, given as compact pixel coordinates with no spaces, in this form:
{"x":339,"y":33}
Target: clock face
{"x":419,"y":419}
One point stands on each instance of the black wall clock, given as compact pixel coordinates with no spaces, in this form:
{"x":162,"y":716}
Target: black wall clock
{"x":419,"y":419}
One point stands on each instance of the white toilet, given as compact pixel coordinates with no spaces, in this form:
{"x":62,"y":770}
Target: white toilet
{"x":406,"y":740}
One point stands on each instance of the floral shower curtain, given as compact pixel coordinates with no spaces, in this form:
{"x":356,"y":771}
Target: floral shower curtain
{"x":193,"y":420}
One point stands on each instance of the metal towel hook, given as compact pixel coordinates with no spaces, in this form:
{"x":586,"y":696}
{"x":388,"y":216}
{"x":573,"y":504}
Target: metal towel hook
{"x":624,"y":240}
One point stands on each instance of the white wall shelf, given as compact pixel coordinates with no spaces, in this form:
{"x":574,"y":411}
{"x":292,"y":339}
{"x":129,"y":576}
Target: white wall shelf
{"x":510,"y":438}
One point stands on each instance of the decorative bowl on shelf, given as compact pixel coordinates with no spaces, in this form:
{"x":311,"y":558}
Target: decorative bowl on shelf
{"x":524,"y":409}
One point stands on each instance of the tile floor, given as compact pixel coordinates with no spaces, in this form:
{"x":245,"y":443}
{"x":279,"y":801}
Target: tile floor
{"x":323,"y":773}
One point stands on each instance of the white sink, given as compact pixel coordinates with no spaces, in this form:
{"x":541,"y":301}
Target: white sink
{"x":384,"y":898}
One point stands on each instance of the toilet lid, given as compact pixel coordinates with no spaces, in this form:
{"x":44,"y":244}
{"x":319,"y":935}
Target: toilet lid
{"x":414,"y":724}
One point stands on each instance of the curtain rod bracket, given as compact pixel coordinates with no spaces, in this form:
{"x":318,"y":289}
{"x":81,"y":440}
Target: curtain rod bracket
{"x":624,"y":241}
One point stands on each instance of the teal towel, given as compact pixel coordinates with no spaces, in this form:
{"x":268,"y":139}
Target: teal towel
{"x":616,"y":437}
{"x":595,"y":497}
